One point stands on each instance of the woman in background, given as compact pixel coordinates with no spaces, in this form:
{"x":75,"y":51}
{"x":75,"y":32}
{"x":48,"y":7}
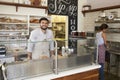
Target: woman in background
{"x":101,"y":44}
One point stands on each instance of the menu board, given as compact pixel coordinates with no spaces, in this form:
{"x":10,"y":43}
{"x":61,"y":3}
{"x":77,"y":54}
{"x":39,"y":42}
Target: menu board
{"x":68,"y":8}
{"x":65,"y":7}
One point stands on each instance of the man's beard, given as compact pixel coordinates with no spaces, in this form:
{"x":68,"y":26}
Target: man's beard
{"x":43,"y":28}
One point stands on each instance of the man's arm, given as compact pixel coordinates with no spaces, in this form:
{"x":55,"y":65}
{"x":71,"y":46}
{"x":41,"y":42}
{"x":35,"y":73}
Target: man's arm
{"x":30,"y":46}
{"x":52,"y":52}
{"x":29,"y":55}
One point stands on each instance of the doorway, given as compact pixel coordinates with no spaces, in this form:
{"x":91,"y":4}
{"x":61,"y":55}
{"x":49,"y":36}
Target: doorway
{"x":60,"y":29}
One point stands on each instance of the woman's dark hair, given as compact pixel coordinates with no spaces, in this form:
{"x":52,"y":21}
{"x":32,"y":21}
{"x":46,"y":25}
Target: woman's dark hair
{"x":43,"y":18}
{"x":103,"y":26}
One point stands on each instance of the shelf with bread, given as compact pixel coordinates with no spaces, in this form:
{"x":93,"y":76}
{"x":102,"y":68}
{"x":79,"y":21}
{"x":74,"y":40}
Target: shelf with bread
{"x":11,"y":23}
{"x":14,"y":27}
{"x":13,"y":30}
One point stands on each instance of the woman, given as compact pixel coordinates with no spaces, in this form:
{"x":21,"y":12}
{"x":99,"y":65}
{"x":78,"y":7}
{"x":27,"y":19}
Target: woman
{"x":101,"y":44}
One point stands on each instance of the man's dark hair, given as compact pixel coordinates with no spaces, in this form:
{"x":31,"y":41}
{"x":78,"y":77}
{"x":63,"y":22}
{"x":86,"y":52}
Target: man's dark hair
{"x":43,"y":18}
{"x":103,"y":26}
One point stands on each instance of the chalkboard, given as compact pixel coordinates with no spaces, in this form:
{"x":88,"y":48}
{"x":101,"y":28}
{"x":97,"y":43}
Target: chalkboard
{"x":72,"y":19}
{"x":70,"y":9}
{"x":59,"y":7}
{"x":65,"y":7}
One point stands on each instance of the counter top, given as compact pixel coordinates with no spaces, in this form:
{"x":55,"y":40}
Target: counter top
{"x":114,"y":52}
{"x":64,"y":73}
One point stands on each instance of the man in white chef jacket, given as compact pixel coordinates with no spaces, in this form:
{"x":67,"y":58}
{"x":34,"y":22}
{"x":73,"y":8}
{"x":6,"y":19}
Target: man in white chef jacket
{"x":40,"y":45}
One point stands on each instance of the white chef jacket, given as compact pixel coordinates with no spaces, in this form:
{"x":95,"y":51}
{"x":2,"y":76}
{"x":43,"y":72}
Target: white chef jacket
{"x":40,"y":43}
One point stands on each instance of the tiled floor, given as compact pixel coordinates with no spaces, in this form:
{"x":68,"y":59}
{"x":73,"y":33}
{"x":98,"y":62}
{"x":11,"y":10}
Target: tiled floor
{"x":109,"y":76}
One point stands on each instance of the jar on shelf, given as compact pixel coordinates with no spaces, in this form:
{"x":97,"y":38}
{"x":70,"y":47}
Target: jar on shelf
{"x":86,"y":7}
{"x":102,"y":14}
{"x":36,"y":2}
{"x":27,"y":2}
{"x":74,"y":33}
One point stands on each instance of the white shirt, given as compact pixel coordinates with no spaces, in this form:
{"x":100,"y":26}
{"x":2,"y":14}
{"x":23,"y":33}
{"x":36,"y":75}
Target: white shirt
{"x":99,"y":38}
{"x":36,"y":45}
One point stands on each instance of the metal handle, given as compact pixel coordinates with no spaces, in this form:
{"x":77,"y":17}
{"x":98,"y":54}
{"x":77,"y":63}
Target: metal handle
{"x":56,"y":58}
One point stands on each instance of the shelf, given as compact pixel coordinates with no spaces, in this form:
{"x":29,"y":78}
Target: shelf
{"x":34,"y":23}
{"x":13,"y":30}
{"x":11,"y":35}
{"x":113,"y":32}
{"x":76,"y":37}
{"x":60,"y":39}
{"x":22,"y":5}
{"x":13,"y":40}
{"x":11,"y":23}
{"x":58,"y":22}
{"x":107,"y":21}
{"x":101,"y":9}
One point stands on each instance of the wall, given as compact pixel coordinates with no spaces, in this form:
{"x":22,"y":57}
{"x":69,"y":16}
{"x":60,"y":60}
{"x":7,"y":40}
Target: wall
{"x":89,"y":23}
{"x":103,"y":3}
{"x":21,"y":10}
{"x":80,"y":15}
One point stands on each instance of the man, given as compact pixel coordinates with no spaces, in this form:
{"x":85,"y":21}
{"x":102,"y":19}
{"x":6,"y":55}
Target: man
{"x":40,"y":45}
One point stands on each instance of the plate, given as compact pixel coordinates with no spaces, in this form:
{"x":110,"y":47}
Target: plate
{"x":110,"y":16}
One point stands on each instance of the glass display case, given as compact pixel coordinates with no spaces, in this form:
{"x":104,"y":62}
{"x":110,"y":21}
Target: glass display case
{"x":11,"y":24}
{"x":17,"y":64}
{"x":76,"y":55}
{"x":14,"y":54}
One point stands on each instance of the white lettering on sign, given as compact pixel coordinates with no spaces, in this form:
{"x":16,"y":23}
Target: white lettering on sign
{"x":53,"y":6}
{"x":61,"y":8}
{"x":64,"y":7}
{"x":72,"y":22}
{"x":72,"y":10}
{"x":72,"y":27}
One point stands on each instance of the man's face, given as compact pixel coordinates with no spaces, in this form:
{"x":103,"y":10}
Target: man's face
{"x":44,"y":24}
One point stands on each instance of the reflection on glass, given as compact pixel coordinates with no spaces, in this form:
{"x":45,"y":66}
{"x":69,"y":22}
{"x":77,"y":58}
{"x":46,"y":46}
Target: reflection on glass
{"x":44,"y":63}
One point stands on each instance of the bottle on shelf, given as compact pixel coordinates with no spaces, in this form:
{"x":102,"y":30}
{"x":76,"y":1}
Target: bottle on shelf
{"x":63,"y":51}
{"x":27,"y":2}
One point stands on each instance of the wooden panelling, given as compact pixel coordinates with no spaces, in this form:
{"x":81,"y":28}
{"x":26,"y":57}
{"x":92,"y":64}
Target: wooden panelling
{"x":89,"y":75}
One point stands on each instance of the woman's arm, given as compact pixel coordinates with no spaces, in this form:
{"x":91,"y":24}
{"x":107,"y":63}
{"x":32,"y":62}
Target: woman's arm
{"x":104,"y":38}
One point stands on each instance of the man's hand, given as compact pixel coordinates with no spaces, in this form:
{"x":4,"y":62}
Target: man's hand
{"x":29,"y":56}
{"x":43,"y":57}
{"x":52,"y":52}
